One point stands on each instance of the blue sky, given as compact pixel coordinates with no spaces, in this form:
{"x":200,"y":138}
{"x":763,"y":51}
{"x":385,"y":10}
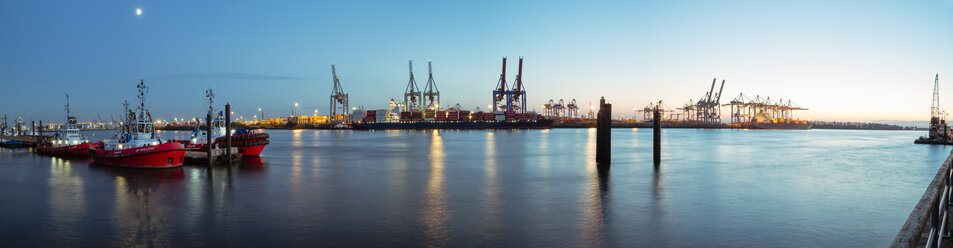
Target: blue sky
{"x":845,"y":60}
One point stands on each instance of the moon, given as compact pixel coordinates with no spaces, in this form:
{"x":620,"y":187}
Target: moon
{"x":138,"y":11}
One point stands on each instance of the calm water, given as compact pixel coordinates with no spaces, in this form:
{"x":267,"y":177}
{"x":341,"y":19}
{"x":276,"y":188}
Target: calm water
{"x":541,"y":188}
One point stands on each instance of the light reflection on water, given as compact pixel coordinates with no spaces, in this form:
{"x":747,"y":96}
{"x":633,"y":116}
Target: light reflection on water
{"x":721,"y":188}
{"x":435,"y":205}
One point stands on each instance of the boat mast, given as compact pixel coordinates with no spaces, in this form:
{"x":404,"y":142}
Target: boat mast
{"x":211,"y":96}
{"x":67,"y":106}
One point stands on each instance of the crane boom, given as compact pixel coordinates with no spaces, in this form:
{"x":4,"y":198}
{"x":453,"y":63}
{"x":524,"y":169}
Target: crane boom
{"x":718,"y":99}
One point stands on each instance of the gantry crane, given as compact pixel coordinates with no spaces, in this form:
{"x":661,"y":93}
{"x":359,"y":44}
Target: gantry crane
{"x":431,"y":95}
{"x":573,"y":109}
{"x":339,"y":99}
{"x":708,"y":108}
{"x":412,"y":93}
{"x":516,"y":97}
{"x":549,"y":107}
{"x":500,"y":97}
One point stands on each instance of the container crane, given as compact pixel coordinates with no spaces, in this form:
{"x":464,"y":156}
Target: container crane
{"x":339,"y":99}
{"x":708,"y":108}
{"x":516,"y":98}
{"x":573,"y":109}
{"x":500,"y":93}
{"x":412,"y":94}
{"x":431,"y":95}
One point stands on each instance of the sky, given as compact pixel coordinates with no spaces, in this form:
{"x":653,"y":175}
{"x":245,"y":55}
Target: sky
{"x":844,"y":60}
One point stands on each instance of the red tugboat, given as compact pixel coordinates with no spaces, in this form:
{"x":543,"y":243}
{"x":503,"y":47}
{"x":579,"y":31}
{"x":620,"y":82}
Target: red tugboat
{"x":68,"y":142}
{"x":249,"y":143}
{"x":137,"y":144}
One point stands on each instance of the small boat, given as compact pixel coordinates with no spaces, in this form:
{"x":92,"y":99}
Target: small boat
{"x":68,"y":142}
{"x":6,"y":130}
{"x":137,"y":144}
{"x":249,"y":143}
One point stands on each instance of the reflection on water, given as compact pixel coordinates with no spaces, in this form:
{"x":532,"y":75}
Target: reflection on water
{"x":484,"y":188}
{"x":435,"y":204}
{"x":492,"y":225}
{"x":592,"y":221}
{"x":137,"y":219}
{"x":66,"y":192}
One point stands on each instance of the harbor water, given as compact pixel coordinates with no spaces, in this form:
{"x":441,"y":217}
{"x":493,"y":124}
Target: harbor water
{"x":477,"y":188}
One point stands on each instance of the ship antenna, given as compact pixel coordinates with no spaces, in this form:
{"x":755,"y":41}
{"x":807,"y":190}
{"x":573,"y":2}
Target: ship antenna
{"x":210,"y":96}
{"x":67,"y":105}
{"x":143,"y":90}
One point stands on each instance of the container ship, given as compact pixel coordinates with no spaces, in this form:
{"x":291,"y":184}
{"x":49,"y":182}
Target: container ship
{"x":462,"y":119}
{"x":421,"y":109}
{"x":778,"y":124}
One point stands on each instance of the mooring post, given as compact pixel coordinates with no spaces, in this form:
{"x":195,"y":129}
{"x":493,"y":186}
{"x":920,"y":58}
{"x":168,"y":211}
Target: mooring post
{"x":228,"y":133}
{"x":657,"y":134}
{"x":603,"y":133}
{"x":40,"y":129}
{"x":209,"y":144}
{"x":33,"y":129}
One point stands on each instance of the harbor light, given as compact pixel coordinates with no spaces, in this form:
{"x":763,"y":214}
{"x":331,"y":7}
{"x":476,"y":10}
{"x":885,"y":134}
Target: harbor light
{"x":138,"y":11}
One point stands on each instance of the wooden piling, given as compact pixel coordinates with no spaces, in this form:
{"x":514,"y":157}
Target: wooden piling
{"x":208,"y":136}
{"x":603,"y":133}
{"x":657,"y":135}
{"x":228,"y":132}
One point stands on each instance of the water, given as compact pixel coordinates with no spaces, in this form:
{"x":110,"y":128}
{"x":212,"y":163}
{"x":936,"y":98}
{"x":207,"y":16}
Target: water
{"x":540,"y":188}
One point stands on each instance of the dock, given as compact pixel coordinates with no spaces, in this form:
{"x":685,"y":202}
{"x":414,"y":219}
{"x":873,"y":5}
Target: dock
{"x":28,"y":140}
{"x":219,"y":156}
{"x":929,"y":223}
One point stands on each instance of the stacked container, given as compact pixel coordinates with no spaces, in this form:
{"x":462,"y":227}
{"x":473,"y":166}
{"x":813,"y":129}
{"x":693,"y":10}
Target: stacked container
{"x":499,"y":115}
{"x":489,"y":116}
{"x":522,"y":117}
{"x":464,"y":115}
{"x":510,"y":115}
{"x":370,"y":116}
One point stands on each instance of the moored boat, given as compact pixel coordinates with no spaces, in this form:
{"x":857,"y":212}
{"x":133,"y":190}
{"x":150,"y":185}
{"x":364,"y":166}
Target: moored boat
{"x":137,"y":144}
{"x":68,"y":142}
{"x":249,"y":143}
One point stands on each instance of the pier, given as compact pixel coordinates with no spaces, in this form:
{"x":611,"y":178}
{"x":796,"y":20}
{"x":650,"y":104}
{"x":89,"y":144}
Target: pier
{"x":929,"y":223}
{"x":219,"y":156}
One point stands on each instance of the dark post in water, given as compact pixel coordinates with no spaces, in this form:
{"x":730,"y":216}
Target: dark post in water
{"x":208,"y":137}
{"x":603,"y":131}
{"x":228,"y":132}
{"x":657,"y":134}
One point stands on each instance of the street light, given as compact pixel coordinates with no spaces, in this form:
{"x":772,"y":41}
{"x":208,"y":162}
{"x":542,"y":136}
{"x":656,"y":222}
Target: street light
{"x":293,"y":110}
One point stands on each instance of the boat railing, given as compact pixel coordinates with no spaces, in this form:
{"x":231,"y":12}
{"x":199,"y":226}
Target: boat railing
{"x":928,"y":224}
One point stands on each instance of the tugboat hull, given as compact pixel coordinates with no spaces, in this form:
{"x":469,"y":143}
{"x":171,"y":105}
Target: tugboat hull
{"x":166,"y":155}
{"x":249,"y":145}
{"x":80,"y":150}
